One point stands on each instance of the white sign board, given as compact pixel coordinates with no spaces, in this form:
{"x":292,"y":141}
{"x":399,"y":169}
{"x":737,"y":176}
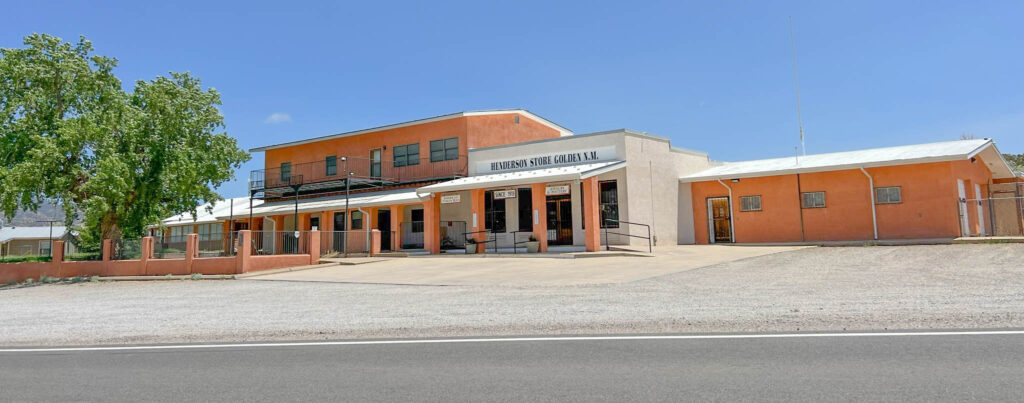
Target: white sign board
{"x":504,"y":194}
{"x":547,"y":160}
{"x":553,"y":190}
{"x":449,"y":199}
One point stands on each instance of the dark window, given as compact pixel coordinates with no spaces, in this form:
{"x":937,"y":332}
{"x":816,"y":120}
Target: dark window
{"x":357,"y":220}
{"x":609,"y":204}
{"x":408,"y":154}
{"x":888,"y":195}
{"x":339,"y":221}
{"x":494,"y":213}
{"x":750,"y":203}
{"x":525,"y":197}
{"x":286,"y":171}
{"x":813,"y":199}
{"x":331,"y":166}
{"x":417,"y":221}
{"x":444,"y":150}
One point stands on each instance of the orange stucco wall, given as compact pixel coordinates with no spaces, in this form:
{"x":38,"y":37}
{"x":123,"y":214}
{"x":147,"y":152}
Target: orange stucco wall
{"x":928,"y":208}
{"x":472,"y":131}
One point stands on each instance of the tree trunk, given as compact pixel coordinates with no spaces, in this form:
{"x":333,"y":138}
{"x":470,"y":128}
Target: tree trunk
{"x":109,"y":228}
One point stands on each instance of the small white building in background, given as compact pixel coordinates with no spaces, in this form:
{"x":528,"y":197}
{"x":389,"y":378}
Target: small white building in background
{"x":29,"y":241}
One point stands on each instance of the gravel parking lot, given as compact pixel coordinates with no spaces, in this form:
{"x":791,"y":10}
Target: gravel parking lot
{"x":904,"y":287}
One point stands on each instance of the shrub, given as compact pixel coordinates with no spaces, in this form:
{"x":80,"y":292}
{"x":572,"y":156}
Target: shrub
{"x":24,"y":259}
{"x":197,"y":276}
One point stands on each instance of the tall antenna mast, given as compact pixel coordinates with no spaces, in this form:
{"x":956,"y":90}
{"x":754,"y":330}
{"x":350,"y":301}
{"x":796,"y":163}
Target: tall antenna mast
{"x":796,"y":83}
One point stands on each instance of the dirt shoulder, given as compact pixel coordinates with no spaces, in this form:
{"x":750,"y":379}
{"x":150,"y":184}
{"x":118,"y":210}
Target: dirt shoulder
{"x":856,"y":288}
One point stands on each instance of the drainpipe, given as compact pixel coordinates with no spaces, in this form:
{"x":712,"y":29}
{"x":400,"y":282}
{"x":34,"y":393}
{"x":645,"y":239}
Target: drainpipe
{"x":874,"y":216}
{"x":732,"y":229}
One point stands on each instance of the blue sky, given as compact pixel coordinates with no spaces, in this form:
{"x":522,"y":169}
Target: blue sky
{"x":713,"y":76}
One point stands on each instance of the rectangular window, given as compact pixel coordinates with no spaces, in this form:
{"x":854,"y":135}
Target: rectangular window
{"x":357,"y":220}
{"x":813,"y":199}
{"x":750,"y":203}
{"x":331,"y":166}
{"x":177,"y":231}
{"x":286,"y":171}
{"x":408,"y":154}
{"x":888,"y":195}
{"x":609,"y":204}
{"x":525,"y":198}
{"x":209,"y":232}
{"x":44,"y":247}
{"x":494,"y":213}
{"x":444,"y":150}
{"x":417,"y":221}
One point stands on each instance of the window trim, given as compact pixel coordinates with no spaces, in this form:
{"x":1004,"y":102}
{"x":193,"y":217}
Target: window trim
{"x":328,"y":166}
{"x":803,"y":199}
{"x":406,"y":161}
{"x":899,"y":192}
{"x":601,"y":204}
{"x":354,"y":220}
{"x":444,"y":149}
{"x":760,"y":206}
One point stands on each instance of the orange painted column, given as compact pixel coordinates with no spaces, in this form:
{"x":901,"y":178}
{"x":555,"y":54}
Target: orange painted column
{"x":303,"y":222}
{"x":540,"y":215}
{"x":591,"y":215}
{"x":476,"y":200}
{"x":396,"y":227}
{"x":432,"y":224}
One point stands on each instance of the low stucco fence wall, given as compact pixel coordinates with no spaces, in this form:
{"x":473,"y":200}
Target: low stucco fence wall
{"x":243,"y":261}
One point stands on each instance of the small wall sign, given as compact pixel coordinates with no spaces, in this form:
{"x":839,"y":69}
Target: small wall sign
{"x":553,"y":190}
{"x":504,"y":194}
{"x":449,"y":199}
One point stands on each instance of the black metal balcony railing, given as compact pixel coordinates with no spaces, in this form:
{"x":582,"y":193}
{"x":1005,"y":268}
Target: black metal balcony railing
{"x":364,"y":172}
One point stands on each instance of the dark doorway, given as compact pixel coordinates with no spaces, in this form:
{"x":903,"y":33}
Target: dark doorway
{"x":559,"y":220}
{"x":720,"y":218}
{"x":314,"y":222}
{"x":384,"y":225}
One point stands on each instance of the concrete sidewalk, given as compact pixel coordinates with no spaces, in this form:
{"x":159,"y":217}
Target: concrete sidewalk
{"x":512,"y":271}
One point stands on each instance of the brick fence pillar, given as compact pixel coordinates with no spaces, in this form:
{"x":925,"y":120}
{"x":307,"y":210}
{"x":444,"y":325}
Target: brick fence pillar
{"x":243,"y":251}
{"x":108,"y":250}
{"x":374,"y":242}
{"x":57,"y":260}
{"x":147,"y":253}
{"x":314,"y":246}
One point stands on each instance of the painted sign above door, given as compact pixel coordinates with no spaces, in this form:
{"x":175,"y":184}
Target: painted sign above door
{"x":504,"y":194}
{"x":547,"y":160}
{"x":449,"y":199}
{"x":554,"y":190}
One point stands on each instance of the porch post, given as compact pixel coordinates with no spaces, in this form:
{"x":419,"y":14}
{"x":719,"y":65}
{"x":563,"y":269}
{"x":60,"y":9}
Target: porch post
{"x":432,"y":224}
{"x":396,"y":229}
{"x":540,"y":214}
{"x":476,"y":200}
{"x":591,"y":214}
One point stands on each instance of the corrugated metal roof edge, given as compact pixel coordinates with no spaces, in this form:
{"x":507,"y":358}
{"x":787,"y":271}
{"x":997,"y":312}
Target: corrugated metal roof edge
{"x":976,"y":151}
{"x":535,"y":116}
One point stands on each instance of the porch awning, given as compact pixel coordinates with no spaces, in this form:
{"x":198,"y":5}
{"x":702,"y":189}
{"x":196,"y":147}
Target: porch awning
{"x":556,"y":174}
{"x":386,"y":198}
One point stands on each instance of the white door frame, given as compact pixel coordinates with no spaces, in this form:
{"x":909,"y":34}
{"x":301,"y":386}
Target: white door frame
{"x":981,"y":210}
{"x":965,"y":227}
{"x":711,"y":219}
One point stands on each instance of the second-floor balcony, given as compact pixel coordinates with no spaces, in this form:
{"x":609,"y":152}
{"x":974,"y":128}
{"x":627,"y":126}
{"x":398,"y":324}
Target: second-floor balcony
{"x":362,"y":173}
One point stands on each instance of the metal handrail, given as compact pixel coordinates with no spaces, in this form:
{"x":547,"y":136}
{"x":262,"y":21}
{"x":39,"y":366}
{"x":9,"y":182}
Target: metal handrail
{"x":515,"y":243}
{"x":494,"y":240}
{"x":607,"y":242}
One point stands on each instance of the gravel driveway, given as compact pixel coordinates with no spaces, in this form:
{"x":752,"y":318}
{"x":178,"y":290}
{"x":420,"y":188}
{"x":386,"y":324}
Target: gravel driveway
{"x":904,"y":287}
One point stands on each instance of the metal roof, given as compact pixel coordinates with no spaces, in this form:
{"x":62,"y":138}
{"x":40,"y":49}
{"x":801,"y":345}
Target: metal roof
{"x":12,"y":233}
{"x":205,"y":216}
{"x":564,"y":131}
{"x":876,"y":157}
{"x":287,"y":207}
{"x":556,"y":174}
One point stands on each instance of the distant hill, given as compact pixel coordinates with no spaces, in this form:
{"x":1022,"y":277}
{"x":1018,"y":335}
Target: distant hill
{"x":31,"y":219}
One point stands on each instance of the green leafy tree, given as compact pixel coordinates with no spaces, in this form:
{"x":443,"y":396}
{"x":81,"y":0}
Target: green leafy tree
{"x":121,"y":160}
{"x":1016,"y":161}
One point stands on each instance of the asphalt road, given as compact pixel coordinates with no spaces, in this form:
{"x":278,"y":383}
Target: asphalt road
{"x":849,"y":368}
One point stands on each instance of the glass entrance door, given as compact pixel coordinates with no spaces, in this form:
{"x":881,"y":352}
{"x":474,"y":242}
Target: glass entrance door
{"x":559,"y":220}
